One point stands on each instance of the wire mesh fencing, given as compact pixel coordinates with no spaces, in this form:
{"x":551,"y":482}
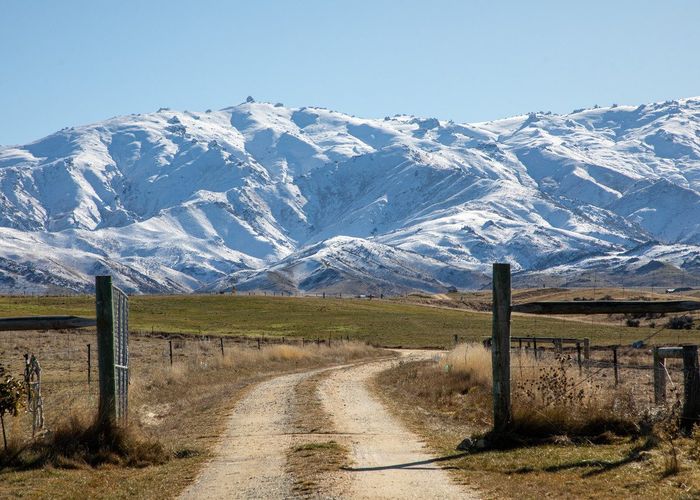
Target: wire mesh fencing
{"x":69,"y":371}
{"x":623,"y":377}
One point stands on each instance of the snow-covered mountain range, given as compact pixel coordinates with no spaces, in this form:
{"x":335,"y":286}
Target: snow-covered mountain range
{"x":274,"y":198}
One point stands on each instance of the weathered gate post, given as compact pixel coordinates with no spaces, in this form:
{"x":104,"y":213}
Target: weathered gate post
{"x":500,"y":346}
{"x":691,"y":382}
{"x":659,"y":377}
{"x":105,"y":350}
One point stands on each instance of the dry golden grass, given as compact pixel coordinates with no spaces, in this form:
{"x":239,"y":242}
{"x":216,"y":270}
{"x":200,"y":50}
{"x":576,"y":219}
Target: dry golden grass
{"x":446,"y":405}
{"x":313,"y":460}
{"x":311,"y":464}
{"x":473,"y":360}
{"x":551,"y":397}
{"x":80,"y":441}
{"x":183,"y":408}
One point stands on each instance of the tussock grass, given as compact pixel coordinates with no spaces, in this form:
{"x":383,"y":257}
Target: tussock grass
{"x":79,"y":442}
{"x":550,"y":397}
{"x":472,"y":360}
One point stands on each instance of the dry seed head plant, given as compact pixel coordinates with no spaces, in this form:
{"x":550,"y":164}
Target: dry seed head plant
{"x":550,"y":397}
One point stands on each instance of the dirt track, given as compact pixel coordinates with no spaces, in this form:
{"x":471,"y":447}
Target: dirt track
{"x":387,"y":460}
{"x":250,"y":460}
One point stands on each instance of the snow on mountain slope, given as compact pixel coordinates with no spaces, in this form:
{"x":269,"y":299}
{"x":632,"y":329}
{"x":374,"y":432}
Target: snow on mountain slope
{"x":651,"y":264}
{"x":309,"y":198}
{"x":664,"y":209}
{"x":344,"y":264}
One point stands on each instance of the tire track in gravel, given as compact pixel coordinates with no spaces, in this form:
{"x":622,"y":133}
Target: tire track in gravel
{"x":250,"y":459}
{"x":390,"y":461}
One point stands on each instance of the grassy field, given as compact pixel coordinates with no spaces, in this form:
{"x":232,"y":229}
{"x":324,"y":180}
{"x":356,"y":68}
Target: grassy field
{"x":174,"y":404}
{"x":384,"y":322}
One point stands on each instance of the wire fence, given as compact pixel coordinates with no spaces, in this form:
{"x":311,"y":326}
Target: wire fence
{"x":69,"y":371}
{"x":623,"y":370}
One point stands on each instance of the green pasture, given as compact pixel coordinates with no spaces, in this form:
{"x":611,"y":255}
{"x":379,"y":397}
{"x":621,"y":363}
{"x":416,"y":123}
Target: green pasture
{"x":383,"y":322}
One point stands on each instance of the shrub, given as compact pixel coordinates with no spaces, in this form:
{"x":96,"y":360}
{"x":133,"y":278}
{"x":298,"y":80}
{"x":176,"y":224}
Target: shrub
{"x":634,"y":323}
{"x":77,"y":442}
{"x":549,"y":397}
{"x":12,"y":393}
{"x":684,"y":322}
{"x":554,"y":401}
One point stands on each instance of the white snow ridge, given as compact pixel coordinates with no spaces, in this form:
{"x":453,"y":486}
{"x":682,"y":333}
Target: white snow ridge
{"x":274,"y":198}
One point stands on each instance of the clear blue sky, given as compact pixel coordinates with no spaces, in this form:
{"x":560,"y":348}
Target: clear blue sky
{"x":74,"y":62}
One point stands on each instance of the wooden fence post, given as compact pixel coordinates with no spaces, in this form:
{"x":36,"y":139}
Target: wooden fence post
{"x":170,"y":343}
{"x":221,"y":340}
{"x":691,"y":388}
{"x":534,"y":346}
{"x":89,"y":363}
{"x":107,"y":412}
{"x":617,"y":376}
{"x":500,"y":346}
{"x":586,"y":348}
{"x":578,"y":357}
{"x":659,"y":377}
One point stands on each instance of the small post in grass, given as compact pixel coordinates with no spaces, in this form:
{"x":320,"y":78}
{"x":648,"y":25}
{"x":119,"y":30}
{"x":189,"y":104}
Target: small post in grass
{"x":578,"y":357}
{"x":534,"y":346}
{"x":691,"y":388}
{"x":170,"y":343}
{"x":659,"y":377}
{"x":617,"y":376}
{"x":89,"y":362}
{"x":221,"y":341}
{"x":500,"y":346}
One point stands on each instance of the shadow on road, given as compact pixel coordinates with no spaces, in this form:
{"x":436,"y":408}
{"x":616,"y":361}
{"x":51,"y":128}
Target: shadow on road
{"x":409,"y":465}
